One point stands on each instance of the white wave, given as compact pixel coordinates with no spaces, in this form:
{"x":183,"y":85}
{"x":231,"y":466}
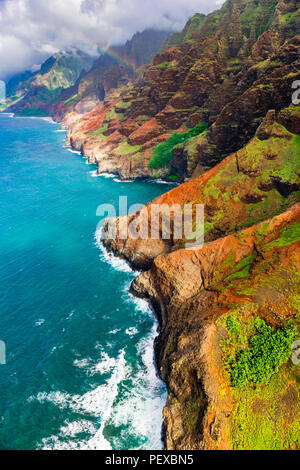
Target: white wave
{"x":132,"y":331}
{"x":117,"y":330}
{"x":141,"y":404}
{"x":146,"y":349}
{"x":107,"y":175}
{"x":139,"y":409}
{"x":48,"y":119}
{"x":82,"y":363}
{"x":140,"y":304}
{"x":105,"y":364}
{"x":98,"y":441}
{"x":70,"y":315}
{"x":118,"y":180}
{"x":39,"y":322}
{"x":96,"y":403}
{"x":93,"y":173}
{"x":73,"y":151}
{"x":117,"y":263}
{"x":161,"y":181}
{"x":70,"y":430}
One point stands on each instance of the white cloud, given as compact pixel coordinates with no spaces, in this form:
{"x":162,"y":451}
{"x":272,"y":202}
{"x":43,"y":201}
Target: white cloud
{"x":31,"y":30}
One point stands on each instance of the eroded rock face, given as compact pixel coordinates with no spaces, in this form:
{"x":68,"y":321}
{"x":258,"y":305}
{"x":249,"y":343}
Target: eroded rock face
{"x":248,"y":268}
{"x":252,"y":273}
{"x":228,"y":73}
{"x":260,"y":180}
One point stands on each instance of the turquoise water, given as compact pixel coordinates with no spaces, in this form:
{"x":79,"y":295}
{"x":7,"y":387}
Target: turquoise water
{"x":79,"y":370}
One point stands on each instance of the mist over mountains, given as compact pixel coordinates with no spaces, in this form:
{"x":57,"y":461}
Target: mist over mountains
{"x":32,"y":30}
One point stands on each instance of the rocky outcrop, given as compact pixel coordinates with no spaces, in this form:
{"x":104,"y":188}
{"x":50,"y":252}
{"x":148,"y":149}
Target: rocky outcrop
{"x":251,"y":274}
{"x":235,"y":295}
{"x":34,"y":96}
{"x":258,"y":181}
{"x":227,"y":70}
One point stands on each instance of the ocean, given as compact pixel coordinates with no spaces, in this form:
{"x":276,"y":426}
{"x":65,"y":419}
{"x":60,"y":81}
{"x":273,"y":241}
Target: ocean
{"x":79,"y":370}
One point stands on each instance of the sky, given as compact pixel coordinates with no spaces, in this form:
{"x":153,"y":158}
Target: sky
{"x":33,"y":30}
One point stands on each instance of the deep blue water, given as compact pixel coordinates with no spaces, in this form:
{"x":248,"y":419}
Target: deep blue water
{"x":79,"y":371}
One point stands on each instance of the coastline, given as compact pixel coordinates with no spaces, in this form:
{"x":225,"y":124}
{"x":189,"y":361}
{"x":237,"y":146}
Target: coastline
{"x":156,"y":346}
{"x":142,"y":381}
{"x":199,"y":409}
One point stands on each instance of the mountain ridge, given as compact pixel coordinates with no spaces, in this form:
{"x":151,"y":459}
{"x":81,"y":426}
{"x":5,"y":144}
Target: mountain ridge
{"x":228,"y":311}
{"x":227,"y":76}
{"x":72,"y":75}
{"x":213,"y":110}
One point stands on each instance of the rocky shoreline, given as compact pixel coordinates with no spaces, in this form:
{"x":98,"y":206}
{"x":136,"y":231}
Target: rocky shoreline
{"x":196,"y":293}
{"x":200,"y":402}
{"x":213,"y":111}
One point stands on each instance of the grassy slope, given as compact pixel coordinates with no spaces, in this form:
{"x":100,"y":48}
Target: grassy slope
{"x":266,"y":415}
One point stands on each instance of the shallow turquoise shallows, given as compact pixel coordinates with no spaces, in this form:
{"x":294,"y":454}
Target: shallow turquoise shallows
{"x":79,"y":371}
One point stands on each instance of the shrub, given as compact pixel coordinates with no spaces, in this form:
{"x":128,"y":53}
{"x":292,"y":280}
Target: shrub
{"x":232,"y":325}
{"x":163,"y":152}
{"x":267,"y":350}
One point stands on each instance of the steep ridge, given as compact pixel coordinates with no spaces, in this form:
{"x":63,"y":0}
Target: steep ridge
{"x":114,"y":68}
{"x":33,"y":95}
{"x":73,"y":81}
{"x":231,"y":68}
{"x":256,"y":182}
{"x":229,"y":311}
{"x":211,"y":303}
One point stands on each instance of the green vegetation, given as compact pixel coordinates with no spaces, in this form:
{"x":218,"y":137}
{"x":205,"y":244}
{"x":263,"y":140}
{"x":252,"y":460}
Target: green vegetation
{"x":289,"y":235}
{"x":292,"y":161}
{"x":100,"y":131}
{"x":73,"y":100}
{"x":265,"y":417}
{"x":112,"y":115}
{"x":258,"y":17}
{"x":126,"y":149}
{"x":232,"y":325}
{"x":267,"y":350}
{"x":163,"y":152}
{"x":265,"y":414}
{"x":190,"y":415}
{"x":261,"y":162}
{"x":242,"y":268}
{"x":165,"y":65}
{"x":194,"y":24}
{"x":173,"y":177}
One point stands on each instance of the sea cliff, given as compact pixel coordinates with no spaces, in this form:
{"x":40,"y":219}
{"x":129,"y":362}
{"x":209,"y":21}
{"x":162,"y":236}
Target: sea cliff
{"x":213,"y":111}
{"x":200,"y":99}
{"x":214,"y":301}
